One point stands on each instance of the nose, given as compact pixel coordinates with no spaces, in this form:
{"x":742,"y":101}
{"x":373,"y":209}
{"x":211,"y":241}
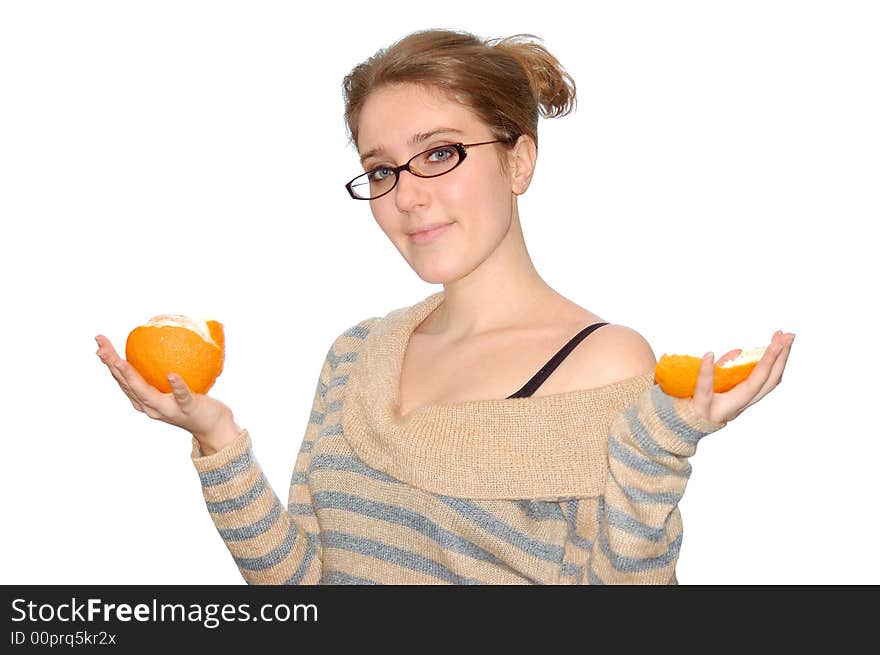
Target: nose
{"x":409,"y":191}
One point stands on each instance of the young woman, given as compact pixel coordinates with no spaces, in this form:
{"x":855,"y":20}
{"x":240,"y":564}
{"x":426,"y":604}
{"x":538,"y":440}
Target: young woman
{"x":443,"y":445}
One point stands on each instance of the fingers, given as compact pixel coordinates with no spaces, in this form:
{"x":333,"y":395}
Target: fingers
{"x":764,"y":378}
{"x":105,"y":351}
{"x":779,"y":349}
{"x":108,"y":355}
{"x":127,"y":382}
{"x":747,"y":392}
{"x":705,"y":389}
{"x":182,"y":395}
{"x":155,"y":404}
{"x":143,"y":396}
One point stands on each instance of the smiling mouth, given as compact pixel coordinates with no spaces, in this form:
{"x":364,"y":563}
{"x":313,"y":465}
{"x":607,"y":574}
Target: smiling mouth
{"x":426,"y":236}
{"x":428,"y":228}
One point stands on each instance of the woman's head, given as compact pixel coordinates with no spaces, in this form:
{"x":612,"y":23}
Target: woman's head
{"x":490,"y":90}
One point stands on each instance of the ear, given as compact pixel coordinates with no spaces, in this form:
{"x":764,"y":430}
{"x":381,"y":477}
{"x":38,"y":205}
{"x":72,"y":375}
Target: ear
{"x":521,"y":160}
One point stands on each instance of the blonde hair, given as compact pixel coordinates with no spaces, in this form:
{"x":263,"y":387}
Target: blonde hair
{"x":506,"y":82}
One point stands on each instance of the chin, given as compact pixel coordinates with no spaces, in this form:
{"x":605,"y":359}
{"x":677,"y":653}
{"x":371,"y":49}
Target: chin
{"x":433,"y":277}
{"x":438,"y":272}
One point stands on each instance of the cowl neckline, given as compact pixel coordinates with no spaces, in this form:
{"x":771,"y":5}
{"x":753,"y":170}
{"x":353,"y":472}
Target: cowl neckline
{"x":544,"y":447}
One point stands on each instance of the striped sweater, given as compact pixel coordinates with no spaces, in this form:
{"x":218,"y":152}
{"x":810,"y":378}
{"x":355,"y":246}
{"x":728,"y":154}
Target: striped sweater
{"x":580,"y":487}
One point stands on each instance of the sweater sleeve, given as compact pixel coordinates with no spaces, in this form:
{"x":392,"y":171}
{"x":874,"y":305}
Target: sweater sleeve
{"x":639,"y":529}
{"x":270,"y":543}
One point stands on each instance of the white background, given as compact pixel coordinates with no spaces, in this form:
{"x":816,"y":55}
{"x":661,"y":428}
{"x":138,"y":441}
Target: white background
{"x":718,"y":181}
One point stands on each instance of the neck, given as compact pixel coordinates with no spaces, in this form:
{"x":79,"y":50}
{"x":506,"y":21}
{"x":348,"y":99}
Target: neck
{"x":505,"y":291}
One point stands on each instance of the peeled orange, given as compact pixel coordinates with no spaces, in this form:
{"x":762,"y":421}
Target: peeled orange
{"x":677,"y":374}
{"x":172,"y":343}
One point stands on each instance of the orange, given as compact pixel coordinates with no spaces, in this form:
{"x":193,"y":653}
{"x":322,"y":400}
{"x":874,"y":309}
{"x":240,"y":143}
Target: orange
{"x":171,"y":343}
{"x":677,"y":374}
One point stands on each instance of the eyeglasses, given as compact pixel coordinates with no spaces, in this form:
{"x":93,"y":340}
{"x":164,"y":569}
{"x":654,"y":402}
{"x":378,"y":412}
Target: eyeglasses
{"x":430,"y":163}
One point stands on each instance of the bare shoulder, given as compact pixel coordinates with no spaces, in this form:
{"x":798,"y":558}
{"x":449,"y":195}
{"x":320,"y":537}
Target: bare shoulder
{"x":611,"y":353}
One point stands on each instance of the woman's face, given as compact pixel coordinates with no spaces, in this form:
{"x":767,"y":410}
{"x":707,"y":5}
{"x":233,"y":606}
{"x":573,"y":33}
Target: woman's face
{"x":475,"y":198}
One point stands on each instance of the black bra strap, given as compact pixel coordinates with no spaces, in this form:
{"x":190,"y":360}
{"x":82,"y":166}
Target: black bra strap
{"x":538,"y":379}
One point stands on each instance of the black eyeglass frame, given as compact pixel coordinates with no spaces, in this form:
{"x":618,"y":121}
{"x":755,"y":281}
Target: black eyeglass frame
{"x":462,"y":153}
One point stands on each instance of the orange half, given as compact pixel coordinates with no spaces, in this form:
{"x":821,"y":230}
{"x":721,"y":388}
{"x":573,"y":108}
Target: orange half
{"x":677,"y":374}
{"x":172,"y":343}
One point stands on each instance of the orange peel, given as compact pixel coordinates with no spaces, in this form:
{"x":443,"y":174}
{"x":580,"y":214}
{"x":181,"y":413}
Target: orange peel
{"x":677,"y":374}
{"x":173,"y":343}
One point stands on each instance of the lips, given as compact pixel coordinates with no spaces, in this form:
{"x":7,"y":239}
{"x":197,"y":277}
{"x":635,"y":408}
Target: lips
{"x":425,"y":228}
{"x":428,"y":235}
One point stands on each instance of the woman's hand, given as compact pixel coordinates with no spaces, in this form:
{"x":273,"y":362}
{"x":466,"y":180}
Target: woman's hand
{"x":209,"y":420}
{"x":722,"y":407}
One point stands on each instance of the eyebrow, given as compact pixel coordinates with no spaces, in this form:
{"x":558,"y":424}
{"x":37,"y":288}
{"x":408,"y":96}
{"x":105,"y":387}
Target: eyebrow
{"x":416,"y":138}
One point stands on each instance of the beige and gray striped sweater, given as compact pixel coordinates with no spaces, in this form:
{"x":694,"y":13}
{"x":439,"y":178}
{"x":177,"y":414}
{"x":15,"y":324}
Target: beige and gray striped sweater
{"x":579,"y":487}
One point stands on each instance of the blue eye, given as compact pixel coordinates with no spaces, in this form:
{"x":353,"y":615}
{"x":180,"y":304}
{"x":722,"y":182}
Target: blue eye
{"x":450,"y":152}
{"x":374,"y":175}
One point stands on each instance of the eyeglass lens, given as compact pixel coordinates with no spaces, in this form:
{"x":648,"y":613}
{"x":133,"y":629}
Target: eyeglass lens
{"x":431,"y":163}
